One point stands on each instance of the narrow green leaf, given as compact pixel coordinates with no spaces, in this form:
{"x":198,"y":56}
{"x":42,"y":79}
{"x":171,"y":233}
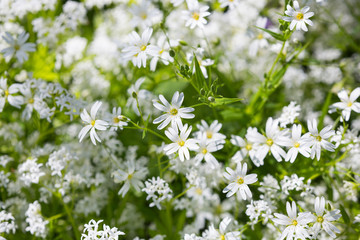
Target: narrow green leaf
{"x":344,"y":214}
{"x":273,"y":34}
{"x":199,"y":78}
{"x":225,"y":101}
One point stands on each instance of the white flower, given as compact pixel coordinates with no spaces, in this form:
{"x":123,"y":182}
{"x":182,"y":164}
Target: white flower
{"x":205,"y":149}
{"x":18,"y":46}
{"x":298,"y":17}
{"x":157,"y":190}
{"x":297,"y":144}
{"x":30,"y":171}
{"x":239,"y":181}
{"x":92,"y":231}
{"x":246,"y":147}
{"x":211,"y":131}
{"x":37,"y":224}
{"x":117,"y":120}
{"x":323,"y":220}
{"x":143,"y":96}
{"x":173,"y":112}
{"x":164,"y":54}
{"x":271,"y":142}
{"x":7,"y":93}
{"x":195,"y":15}
{"x":221,"y":233}
{"x":347,"y":103}
{"x":289,"y":114}
{"x":296,"y":224}
{"x":92,"y":124}
{"x":260,"y":40}
{"x":318,"y":140}
{"x":229,"y":3}
{"x":133,"y":176}
{"x":7,"y":223}
{"x":139,"y":48}
{"x":181,"y":143}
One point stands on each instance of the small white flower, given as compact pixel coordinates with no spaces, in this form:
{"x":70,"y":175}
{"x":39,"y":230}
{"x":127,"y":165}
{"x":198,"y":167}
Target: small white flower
{"x":181,"y":143}
{"x":298,"y":144}
{"x":296,"y":224}
{"x":139,"y":48}
{"x":8,"y":93}
{"x":195,"y":15}
{"x":229,"y":3}
{"x":239,"y":181}
{"x":347,"y":103}
{"x":323,"y":220}
{"x":164,"y":54}
{"x":205,"y":149}
{"x":117,"y":120}
{"x":173,"y":112}
{"x":298,"y":17}
{"x":318,"y":140}
{"x":92,"y":124}
{"x":271,"y":142}
{"x":157,"y":190}
{"x":246,"y":147}
{"x":221,"y":233}
{"x":18,"y":46}
{"x":133,"y":176}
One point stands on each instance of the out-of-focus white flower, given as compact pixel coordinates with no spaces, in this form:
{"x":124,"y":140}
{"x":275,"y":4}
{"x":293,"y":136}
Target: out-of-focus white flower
{"x":229,"y":3}
{"x":92,"y":123}
{"x":164,"y":54}
{"x":116,"y":120}
{"x":173,"y":111}
{"x":133,"y":176}
{"x":298,"y":17}
{"x":157,"y":190}
{"x":289,"y":114}
{"x":18,"y":46}
{"x":203,"y":62}
{"x":92,"y":231}
{"x":239,"y":181}
{"x":30,"y":171}
{"x":195,"y":15}
{"x":37,"y":224}
{"x":8,"y":93}
{"x":221,"y":233}
{"x":7,"y":222}
{"x":347,"y":103}
{"x":139,"y":48}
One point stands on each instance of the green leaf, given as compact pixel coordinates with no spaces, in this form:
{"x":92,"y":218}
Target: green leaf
{"x":344,"y":214}
{"x":198,"y":77}
{"x":224,"y":101}
{"x":273,"y":34}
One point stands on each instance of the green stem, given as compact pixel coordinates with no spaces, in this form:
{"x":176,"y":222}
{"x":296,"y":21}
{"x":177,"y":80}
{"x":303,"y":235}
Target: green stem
{"x":149,"y":130}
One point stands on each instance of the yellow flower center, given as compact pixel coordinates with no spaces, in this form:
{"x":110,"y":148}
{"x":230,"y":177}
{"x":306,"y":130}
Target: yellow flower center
{"x":240,"y":180}
{"x":31,"y":101}
{"x":209,"y":134}
{"x":181,"y":143}
{"x":204,"y":151}
{"x":143,"y":48}
{"x":269,"y":142}
{"x":196,"y":16}
{"x":143,"y":16}
{"x":318,"y":138}
{"x":248,"y":147}
{"x":92,"y":122}
{"x":161,"y":51}
{"x":349,"y":104}
{"x":222,"y":237}
{"x":297,"y":145}
{"x":130,"y":176}
{"x":320,"y":219}
{"x":173,"y":111}
{"x":17,"y":47}
{"x":294,"y":222}
{"x":116,"y":120}
{"x":299,"y":16}
{"x":6,"y":93}
{"x":198,"y":191}
{"x":260,"y":36}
